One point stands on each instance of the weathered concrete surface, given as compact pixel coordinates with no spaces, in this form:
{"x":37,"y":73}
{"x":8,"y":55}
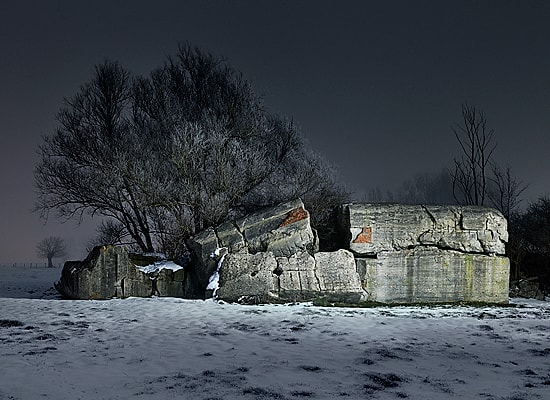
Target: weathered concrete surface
{"x":102,"y":275}
{"x":169,"y":283}
{"x":296,"y":277}
{"x":326,"y":274}
{"x":337,"y":273}
{"x":282,"y":230}
{"x":375,"y":228}
{"x":429,"y":274}
{"x":262,"y":277}
{"x":424,"y":254}
{"x":248,"y":277}
{"x":109,"y":271}
{"x":394,"y":253}
{"x":131,"y":282}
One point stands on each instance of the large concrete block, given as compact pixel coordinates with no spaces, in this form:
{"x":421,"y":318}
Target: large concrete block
{"x":297,"y":277}
{"x":428,"y":275}
{"x":375,"y":228}
{"x":283,"y":230}
{"x":169,"y":283}
{"x":230,"y":237}
{"x":265,"y":278}
{"x":248,"y":276}
{"x":110,"y":271}
{"x":106,"y":273}
{"x":134,"y":282}
{"x":336,"y":272}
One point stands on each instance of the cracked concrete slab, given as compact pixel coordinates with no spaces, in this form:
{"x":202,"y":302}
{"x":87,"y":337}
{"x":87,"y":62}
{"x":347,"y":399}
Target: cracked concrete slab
{"x":393,"y":227}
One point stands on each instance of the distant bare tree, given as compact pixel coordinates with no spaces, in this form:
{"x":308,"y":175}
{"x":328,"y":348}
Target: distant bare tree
{"x":505,"y":193}
{"x":427,"y":188}
{"x":518,"y":247}
{"x":470,"y":175}
{"x":50,"y":248}
{"x":375,"y":195}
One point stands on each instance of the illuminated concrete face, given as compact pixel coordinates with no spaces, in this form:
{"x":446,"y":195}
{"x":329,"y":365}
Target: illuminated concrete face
{"x":375,"y":228}
{"x":428,"y":275}
{"x":424,"y":254}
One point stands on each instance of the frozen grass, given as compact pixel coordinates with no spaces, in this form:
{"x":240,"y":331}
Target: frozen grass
{"x":163,"y":348}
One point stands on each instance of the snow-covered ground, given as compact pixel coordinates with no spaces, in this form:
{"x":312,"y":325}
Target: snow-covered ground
{"x":165,"y":348}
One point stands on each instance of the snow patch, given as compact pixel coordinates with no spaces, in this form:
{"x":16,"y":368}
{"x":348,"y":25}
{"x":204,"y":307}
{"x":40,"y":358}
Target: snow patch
{"x":159,"y":266}
{"x":214,"y":281}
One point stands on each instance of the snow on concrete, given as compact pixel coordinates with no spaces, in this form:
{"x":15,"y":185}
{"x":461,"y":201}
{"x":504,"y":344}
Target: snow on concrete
{"x":162,"y":348}
{"x":158,"y":266}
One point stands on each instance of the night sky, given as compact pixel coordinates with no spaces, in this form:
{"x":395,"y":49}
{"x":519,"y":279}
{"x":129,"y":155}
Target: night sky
{"x":375,"y":86}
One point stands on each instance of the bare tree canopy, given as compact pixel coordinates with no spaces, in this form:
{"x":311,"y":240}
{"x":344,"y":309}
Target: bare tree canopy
{"x":470,"y":176}
{"x":167,"y":155}
{"x":50,"y":248}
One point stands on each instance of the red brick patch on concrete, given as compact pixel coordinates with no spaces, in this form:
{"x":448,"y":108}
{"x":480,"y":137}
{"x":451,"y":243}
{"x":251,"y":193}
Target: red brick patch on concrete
{"x":365,"y":236}
{"x":294,"y":216}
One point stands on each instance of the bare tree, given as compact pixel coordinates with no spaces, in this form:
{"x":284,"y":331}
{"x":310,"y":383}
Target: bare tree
{"x":168,"y":155}
{"x":216,"y":147}
{"x":222,"y":154}
{"x":50,"y":248}
{"x":505,"y":193}
{"x":535,"y":223}
{"x":470,"y":175}
{"x":427,"y":188}
{"x":530,"y":235}
{"x":477,"y":178}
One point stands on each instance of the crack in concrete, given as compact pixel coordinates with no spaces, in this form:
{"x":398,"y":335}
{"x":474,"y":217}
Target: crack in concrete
{"x":461,"y":221}
{"x":234,"y":223}
{"x":432,"y":217}
{"x":420,"y":239}
{"x":315,"y":275}
{"x":218,"y":244}
{"x":446,"y":248}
